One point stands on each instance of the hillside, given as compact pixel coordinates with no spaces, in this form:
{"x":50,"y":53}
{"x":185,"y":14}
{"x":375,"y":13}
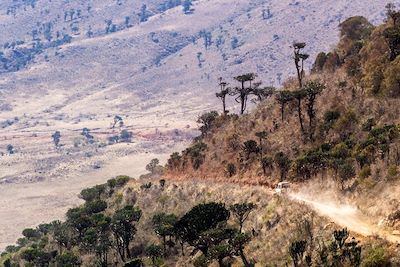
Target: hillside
{"x":70,"y":65}
{"x":87,"y":94}
{"x":270,"y":228}
{"x":336,"y":131}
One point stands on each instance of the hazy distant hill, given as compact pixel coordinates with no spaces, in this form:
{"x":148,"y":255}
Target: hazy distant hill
{"x":153,"y":47}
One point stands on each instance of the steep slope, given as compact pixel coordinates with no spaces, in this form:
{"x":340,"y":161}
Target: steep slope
{"x":156,"y":74}
{"x":340,"y":131}
{"x":273,"y":225}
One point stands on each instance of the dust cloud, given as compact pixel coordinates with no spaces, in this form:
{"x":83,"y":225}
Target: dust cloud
{"x":345,"y":215}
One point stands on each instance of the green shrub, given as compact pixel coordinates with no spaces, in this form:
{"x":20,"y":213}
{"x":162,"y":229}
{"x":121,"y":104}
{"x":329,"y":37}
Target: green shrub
{"x":368,"y":124}
{"x":345,"y":124}
{"x":330,"y":117}
{"x":392,"y":171}
{"x":250,"y":147}
{"x":134,"y":263}
{"x":196,"y":154}
{"x":365,"y":172}
{"x":95,"y":206}
{"x":121,"y":180}
{"x":340,"y":151}
{"x":231,"y":169}
{"x":375,"y":257}
{"x":90,"y":194}
{"x":68,"y":259}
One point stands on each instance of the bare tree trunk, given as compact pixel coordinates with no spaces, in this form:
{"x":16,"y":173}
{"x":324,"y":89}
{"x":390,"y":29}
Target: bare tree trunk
{"x":300,"y":113}
{"x":244,"y":259}
{"x":224,"y":105}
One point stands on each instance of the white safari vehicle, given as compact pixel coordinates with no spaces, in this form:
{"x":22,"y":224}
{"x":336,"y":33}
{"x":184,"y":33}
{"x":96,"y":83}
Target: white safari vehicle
{"x":282,"y":187}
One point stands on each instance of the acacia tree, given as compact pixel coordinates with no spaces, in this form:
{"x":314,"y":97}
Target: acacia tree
{"x":243,"y":91}
{"x":249,"y":147}
{"x":312,"y":89}
{"x":222,"y":94}
{"x":164,"y":226}
{"x":299,"y":59}
{"x":153,"y":166}
{"x":346,"y":171}
{"x":197,"y":221}
{"x":207,"y":122}
{"x":97,"y":238}
{"x":283,"y":98}
{"x":299,"y":94}
{"x":153,"y":251}
{"x":124,"y":230}
{"x":261,"y":93}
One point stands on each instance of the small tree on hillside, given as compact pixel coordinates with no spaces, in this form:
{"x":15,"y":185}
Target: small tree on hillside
{"x":86,"y":133}
{"x":283,"y":163}
{"x":283,"y":98}
{"x":68,"y":259}
{"x":241,"y":212}
{"x":299,"y":59}
{"x":164,"y":226}
{"x":243,"y":91}
{"x":238,"y":241}
{"x":200,"y":219}
{"x":250,"y":147}
{"x":124,"y":230}
{"x":392,"y":13}
{"x":153,"y":166}
{"x":153,"y":252}
{"x":56,"y":138}
{"x":117,"y":120}
{"x":222,"y":94}
{"x":312,"y":90}
{"x":187,"y":6}
{"x":346,"y":171}
{"x":206,"y":122}
{"x":10,"y":149}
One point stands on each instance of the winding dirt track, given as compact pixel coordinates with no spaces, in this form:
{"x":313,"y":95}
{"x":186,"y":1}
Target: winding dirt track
{"x":346,"y":216}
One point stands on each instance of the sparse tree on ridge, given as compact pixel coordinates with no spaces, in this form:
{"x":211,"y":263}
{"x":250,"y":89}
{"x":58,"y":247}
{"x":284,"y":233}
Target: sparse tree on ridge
{"x":124,"y":230}
{"x":299,"y":94}
{"x":243,"y":91}
{"x":312,"y":89}
{"x":283,"y":98}
{"x":223,"y":93}
{"x":299,"y":59}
